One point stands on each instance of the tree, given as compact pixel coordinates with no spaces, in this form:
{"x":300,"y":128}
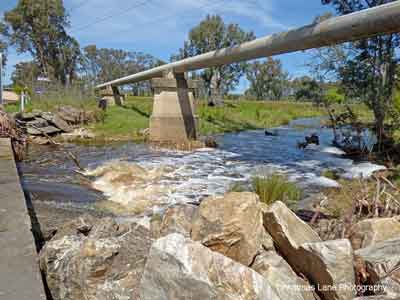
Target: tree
{"x":102,"y":64}
{"x":3,"y":43}
{"x":309,"y":90}
{"x":25,"y":74}
{"x":369,"y":70}
{"x":212,"y":34}
{"x":39,"y":27}
{"x":267,"y":79}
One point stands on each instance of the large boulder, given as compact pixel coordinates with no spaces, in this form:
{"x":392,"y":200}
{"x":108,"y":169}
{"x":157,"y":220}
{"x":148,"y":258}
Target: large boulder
{"x":231,"y":225}
{"x":329,"y":265}
{"x":281,"y":277}
{"x":178,"y":219}
{"x":382,"y":263}
{"x":98,"y":261}
{"x":288,"y":232}
{"x":371,"y":231}
{"x":179,"y":268}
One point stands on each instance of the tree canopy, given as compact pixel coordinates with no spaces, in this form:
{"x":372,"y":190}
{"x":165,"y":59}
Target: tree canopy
{"x":103,"y":64}
{"x":267,"y":79}
{"x":3,"y":42}
{"x":39,"y":27}
{"x":368,"y":72}
{"x":212,"y":34}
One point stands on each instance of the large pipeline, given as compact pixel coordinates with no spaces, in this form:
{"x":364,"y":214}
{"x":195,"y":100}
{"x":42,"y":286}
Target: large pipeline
{"x":383,"y":19}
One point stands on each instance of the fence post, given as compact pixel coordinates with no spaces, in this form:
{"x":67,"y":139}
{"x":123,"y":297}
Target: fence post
{"x":22,"y":102}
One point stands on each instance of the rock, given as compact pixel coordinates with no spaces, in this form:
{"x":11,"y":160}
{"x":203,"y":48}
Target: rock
{"x":82,"y":133}
{"x":57,"y":121}
{"x":106,"y":262}
{"x":210,"y":142}
{"x":329,"y":229}
{"x":70,"y":114}
{"x":231,"y":225}
{"x":371,"y":231}
{"x":49,"y":130}
{"x":39,"y":140}
{"x":281,"y":277}
{"x":178,"y":219}
{"x":37,"y":123}
{"x":329,"y":265}
{"x":179,"y":268}
{"x":27,"y":116}
{"x":382,"y":263}
{"x":288,"y":232}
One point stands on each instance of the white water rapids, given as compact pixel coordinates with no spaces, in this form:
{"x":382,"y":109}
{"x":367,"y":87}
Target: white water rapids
{"x":173,"y":177}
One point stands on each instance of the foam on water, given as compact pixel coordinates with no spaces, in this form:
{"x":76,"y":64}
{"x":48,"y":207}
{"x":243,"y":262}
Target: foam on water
{"x":139,"y":177}
{"x":174,"y":177}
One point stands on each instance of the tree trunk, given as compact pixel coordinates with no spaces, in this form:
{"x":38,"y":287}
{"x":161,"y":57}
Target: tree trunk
{"x":379,"y":126}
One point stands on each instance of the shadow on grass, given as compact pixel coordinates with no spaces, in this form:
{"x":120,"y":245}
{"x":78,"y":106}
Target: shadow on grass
{"x":137,"y":110}
{"x":231,"y":125}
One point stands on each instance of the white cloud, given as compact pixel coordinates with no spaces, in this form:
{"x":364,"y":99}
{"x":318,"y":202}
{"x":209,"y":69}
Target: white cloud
{"x":159,"y":22}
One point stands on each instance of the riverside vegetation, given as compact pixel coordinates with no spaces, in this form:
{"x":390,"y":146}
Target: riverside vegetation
{"x":128,"y":121}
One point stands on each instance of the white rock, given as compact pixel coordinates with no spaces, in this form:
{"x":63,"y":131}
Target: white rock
{"x":181,"y":269}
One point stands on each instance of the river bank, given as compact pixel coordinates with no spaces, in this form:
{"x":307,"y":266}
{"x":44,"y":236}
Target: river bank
{"x":135,"y":201}
{"x":129,"y":121}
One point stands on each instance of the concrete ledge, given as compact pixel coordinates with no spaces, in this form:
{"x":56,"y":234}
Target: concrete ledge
{"x":20,"y":278}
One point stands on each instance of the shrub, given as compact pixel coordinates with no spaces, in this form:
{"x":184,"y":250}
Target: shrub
{"x":272,"y":188}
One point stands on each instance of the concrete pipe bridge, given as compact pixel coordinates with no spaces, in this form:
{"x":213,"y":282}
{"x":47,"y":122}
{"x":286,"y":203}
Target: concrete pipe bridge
{"x":174,"y":118}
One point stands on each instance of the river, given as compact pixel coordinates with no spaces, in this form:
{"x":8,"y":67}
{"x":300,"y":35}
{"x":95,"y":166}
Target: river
{"x":130,"y":178}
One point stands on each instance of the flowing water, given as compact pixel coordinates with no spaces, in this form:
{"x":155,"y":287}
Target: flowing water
{"x":135,"y":178}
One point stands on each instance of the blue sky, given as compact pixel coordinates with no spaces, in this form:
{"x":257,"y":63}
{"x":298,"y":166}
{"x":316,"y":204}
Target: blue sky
{"x":159,"y":27}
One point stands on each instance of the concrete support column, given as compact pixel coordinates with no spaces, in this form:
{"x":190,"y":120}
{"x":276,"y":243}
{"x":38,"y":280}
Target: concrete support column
{"x":112,"y":95}
{"x":174,"y":118}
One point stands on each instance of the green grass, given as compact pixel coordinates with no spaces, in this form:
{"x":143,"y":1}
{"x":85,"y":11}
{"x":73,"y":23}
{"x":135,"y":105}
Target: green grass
{"x":246,"y":115}
{"x":129,"y":120}
{"x":126,"y":122}
{"x":272,"y":188}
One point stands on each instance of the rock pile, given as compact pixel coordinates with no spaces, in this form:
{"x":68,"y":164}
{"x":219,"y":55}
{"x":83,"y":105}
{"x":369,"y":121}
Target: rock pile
{"x":230,"y":247}
{"x":39,"y":123}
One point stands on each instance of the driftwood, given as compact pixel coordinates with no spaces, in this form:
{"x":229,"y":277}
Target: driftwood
{"x":69,"y":153}
{"x":8,"y":129}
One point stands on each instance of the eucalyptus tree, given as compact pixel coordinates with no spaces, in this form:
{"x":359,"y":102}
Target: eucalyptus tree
{"x":267,"y":79}
{"x":3,"y":40}
{"x":105,"y":64}
{"x":211,"y":34}
{"x":39,"y":28}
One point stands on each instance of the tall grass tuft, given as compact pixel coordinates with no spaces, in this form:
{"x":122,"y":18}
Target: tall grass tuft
{"x":272,"y":188}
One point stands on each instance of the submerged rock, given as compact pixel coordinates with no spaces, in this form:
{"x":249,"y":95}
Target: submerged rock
{"x":231,"y":225}
{"x":288,"y":232}
{"x":371,"y":231}
{"x":106,"y":262}
{"x":382,"y":262}
{"x":329,"y":265}
{"x":180,"y":269}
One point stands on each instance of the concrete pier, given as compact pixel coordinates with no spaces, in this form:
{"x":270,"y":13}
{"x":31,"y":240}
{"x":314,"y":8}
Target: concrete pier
{"x":174,"y":118}
{"x":20,"y":278}
{"x":112,"y":95}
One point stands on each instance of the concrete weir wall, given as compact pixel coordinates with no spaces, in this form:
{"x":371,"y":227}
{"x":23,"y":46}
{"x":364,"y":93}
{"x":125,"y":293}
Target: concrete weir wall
{"x":20,"y":277}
